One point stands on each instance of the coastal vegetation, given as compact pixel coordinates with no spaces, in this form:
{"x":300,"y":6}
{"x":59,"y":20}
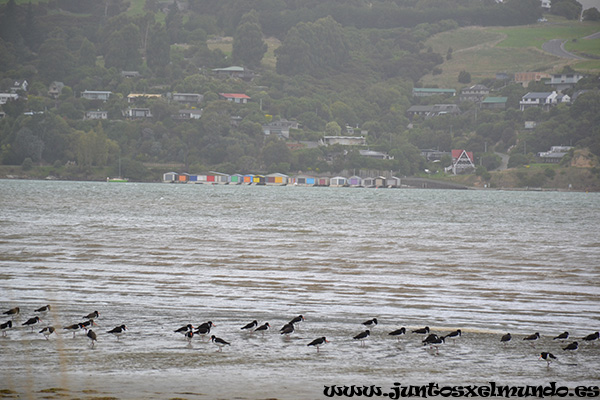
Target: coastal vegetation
{"x":335,"y":68}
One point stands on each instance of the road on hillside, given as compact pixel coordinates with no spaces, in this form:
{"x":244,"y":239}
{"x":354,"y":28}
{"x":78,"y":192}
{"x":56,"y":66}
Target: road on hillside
{"x":557,"y":47}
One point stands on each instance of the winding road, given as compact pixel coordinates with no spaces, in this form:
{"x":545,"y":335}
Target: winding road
{"x":557,"y":47}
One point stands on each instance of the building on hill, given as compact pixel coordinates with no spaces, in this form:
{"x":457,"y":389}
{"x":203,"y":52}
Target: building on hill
{"x":96,"y":95}
{"x":474,"y":93}
{"x":462,"y":162}
{"x":235,"y":97}
{"x":280,"y":128}
{"x":542,"y":99}
{"x":426,"y":92}
{"x":494,"y":103}
{"x":433,"y":110}
{"x":561,"y":82}
{"x":524,"y":78}
{"x":555,"y":154}
{"x":235,"y":72}
{"x":343,"y":140}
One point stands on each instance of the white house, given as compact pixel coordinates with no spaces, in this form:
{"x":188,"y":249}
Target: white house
{"x":96,"y":115}
{"x":235,"y":97}
{"x":564,"y":81}
{"x":187,"y":98}
{"x":134,"y":113}
{"x":4,"y":97}
{"x":343,"y":140}
{"x":95,"y":95}
{"x":542,"y":99}
{"x":280,"y":128}
{"x":474,"y":93}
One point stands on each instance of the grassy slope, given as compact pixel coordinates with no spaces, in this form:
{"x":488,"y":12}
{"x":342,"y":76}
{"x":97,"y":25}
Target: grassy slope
{"x":484,"y":51}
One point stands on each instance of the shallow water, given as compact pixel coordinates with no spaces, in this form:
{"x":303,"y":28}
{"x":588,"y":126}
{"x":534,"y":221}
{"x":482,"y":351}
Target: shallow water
{"x":159,"y":256}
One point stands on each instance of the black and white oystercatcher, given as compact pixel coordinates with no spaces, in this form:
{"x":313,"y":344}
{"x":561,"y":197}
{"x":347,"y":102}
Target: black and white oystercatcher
{"x":318,"y":342}
{"x":206,"y":325}
{"x":74,"y":328}
{"x":562,"y":336}
{"x":505,"y":338}
{"x":455,"y":334}
{"x":118,"y":331}
{"x":92,"y":335}
{"x":220,"y":343}
{"x":296,"y":320}
{"x":189,"y":335}
{"x":250,"y":325}
{"x":31,"y":322}
{"x":398,"y":332}
{"x":548,"y":357}
{"x":184,"y":329}
{"x":47,"y":331}
{"x":362,"y":337}
{"x":92,"y":315}
{"x":287,"y":329}
{"x":5,"y":326}
{"x":592,"y":336}
{"x":421,"y":331}
{"x":88,"y":323}
{"x":370,"y":323}
{"x":204,"y":329}
{"x":263,"y":328}
{"x":571,"y":346}
{"x":43,"y":309}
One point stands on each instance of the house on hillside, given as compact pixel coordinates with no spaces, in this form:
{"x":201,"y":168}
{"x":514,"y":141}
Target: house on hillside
{"x":433,"y":110}
{"x":55,"y":89}
{"x":5,"y":97}
{"x":426,"y":92}
{"x":493,"y":103}
{"x":19,"y":85}
{"x":188,"y":114}
{"x":134,"y":97}
{"x":187,"y":98}
{"x":555,"y":154}
{"x":543,"y":99}
{"x":462,"y":162}
{"x":280,"y":128}
{"x":235,"y":72}
{"x":561,"y":82}
{"x":343,"y":140}
{"x":96,"y":95}
{"x":375,"y":154}
{"x":98,"y":114}
{"x":524,"y":78}
{"x":137,"y":113}
{"x":235,"y":97}
{"x":474,"y":93}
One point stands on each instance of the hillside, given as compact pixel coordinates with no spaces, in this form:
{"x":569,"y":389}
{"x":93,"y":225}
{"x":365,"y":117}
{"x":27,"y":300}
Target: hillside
{"x":484,"y":51}
{"x":207,"y":85}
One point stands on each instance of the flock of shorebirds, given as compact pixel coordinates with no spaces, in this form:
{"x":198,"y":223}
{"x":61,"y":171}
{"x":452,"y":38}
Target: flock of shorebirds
{"x":203,"y":330}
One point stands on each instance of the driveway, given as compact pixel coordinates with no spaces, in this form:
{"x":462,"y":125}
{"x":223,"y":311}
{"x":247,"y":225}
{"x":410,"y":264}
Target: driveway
{"x":557,"y":47}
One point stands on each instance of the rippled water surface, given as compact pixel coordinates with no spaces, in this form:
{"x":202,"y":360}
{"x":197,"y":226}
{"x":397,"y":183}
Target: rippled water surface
{"x":158,"y":256}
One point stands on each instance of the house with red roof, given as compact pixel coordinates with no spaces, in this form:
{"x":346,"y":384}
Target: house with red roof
{"x":235,"y":97}
{"x":462,"y":162}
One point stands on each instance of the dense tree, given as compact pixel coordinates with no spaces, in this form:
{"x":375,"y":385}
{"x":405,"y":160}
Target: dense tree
{"x":123,"y":49}
{"x":591,"y":14}
{"x":312,"y":46}
{"x":158,"y":52}
{"x":56,"y":61}
{"x":248,"y":44}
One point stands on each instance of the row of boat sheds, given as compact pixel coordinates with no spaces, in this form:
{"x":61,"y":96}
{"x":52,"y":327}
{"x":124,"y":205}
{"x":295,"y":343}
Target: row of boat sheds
{"x":277,"y":179}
